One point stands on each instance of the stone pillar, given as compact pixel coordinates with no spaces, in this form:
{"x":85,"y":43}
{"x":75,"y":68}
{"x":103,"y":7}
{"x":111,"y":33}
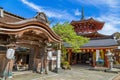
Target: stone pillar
{"x":58,"y":67}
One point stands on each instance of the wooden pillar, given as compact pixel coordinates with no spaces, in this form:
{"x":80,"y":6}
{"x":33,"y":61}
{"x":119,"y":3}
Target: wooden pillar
{"x":94,"y":59}
{"x":3,"y":63}
{"x":69,"y":56}
{"x":36,"y":51}
{"x":31,"y":58}
{"x":42,"y":58}
{"x":45,"y":60}
{"x":33,"y":52}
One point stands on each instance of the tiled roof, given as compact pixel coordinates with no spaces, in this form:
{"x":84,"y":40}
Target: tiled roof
{"x":27,"y":20}
{"x":9,"y":17}
{"x":66,"y":45}
{"x":101,"y":43}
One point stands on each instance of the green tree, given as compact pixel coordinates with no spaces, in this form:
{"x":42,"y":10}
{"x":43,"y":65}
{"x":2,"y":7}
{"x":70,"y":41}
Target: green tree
{"x":68,"y":35}
{"x":117,"y":37}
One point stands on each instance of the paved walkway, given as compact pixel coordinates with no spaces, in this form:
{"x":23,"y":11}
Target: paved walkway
{"x":76,"y":73}
{"x":117,"y":77}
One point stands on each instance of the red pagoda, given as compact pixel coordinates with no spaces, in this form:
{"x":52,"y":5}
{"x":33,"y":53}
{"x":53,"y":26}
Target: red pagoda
{"x":96,"y":49}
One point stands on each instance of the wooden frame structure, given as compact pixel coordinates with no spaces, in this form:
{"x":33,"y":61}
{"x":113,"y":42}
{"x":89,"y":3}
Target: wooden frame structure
{"x":32,"y":33}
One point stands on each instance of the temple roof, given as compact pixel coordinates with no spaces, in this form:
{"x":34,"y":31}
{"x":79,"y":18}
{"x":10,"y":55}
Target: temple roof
{"x":38,"y":27}
{"x":100,"y":43}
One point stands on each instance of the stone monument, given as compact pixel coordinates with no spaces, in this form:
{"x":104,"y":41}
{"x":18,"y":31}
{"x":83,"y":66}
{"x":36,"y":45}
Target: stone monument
{"x":110,"y":60}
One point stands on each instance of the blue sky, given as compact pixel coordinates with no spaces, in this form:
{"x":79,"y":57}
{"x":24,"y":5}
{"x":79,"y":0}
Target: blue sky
{"x":107,"y":11}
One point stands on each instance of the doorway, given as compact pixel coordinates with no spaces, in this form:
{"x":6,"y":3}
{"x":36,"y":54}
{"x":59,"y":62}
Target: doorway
{"x":21,"y":61}
{"x":82,"y":58}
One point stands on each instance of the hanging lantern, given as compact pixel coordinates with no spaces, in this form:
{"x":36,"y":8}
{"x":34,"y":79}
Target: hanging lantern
{"x":92,"y":50}
{"x":106,"y":50}
{"x":83,"y":50}
{"x":111,"y":50}
{"x":87,"y":50}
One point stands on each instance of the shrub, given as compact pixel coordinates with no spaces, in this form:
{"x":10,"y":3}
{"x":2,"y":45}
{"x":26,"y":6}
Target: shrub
{"x":66,"y":65}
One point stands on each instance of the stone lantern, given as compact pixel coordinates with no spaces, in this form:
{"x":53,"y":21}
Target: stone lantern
{"x":110,"y":59}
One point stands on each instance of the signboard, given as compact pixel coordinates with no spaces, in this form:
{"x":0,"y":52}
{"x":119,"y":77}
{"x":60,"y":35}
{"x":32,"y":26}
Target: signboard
{"x":10,"y":53}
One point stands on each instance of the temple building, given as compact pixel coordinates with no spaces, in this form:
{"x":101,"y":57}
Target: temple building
{"x":32,"y":39}
{"x":94,"y":52}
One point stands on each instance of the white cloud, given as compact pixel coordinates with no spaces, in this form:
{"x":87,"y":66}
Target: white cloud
{"x":77,"y":12}
{"x":98,"y":3}
{"x":111,"y":24}
{"x":30,"y":4}
{"x":51,"y":13}
{"x":108,"y":29}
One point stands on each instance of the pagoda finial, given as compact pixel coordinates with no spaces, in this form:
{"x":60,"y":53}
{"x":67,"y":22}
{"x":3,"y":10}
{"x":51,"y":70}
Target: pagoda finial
{"x":82,"y":14}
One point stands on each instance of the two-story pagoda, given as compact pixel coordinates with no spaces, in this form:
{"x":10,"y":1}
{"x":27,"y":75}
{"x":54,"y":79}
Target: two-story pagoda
{"x":95,"y":50}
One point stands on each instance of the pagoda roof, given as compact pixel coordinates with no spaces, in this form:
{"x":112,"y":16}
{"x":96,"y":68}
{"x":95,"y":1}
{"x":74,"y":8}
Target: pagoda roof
{"x":91,"y":23}
{"x":94,"y":35}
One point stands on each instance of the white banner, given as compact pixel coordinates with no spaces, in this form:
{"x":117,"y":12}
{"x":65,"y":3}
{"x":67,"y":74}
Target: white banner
{"x":97,"y":55}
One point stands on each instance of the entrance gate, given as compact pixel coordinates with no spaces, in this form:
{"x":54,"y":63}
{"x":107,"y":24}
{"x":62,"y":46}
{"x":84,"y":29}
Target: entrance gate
{"x":33,"y":34}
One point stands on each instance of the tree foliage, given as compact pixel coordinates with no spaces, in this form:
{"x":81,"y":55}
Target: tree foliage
{"x":117,"y":37}
{"x":69,"y":36}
